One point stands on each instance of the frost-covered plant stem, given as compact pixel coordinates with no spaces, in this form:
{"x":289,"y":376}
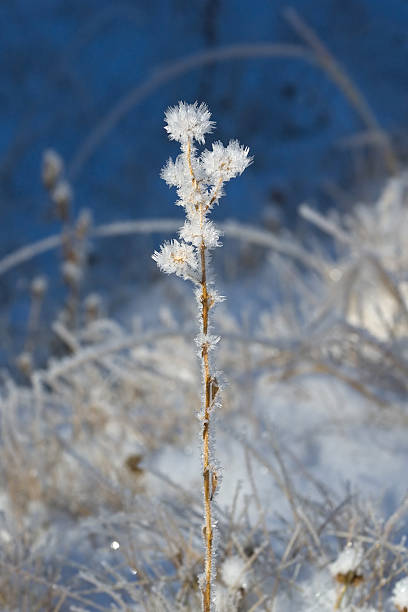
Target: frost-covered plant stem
{"x":199,"y":182}
{"x":209,"y":476}
{"x":207,"y":378}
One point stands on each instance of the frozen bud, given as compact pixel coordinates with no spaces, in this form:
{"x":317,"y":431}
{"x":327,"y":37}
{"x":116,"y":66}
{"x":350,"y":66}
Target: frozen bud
{"x":400,"y":595}
{"x":84,"y":222}
{"x":71,"y":273}
{"x":39,"y":286}
{"x":24,"y":363}
{"x":62,"y":196}
{"x":190,"y":198}
{"x":92,"y":306}
{"x":177,"y":257}
{"x":52,"y":166}
{"x":5,"y":536}
{"x":346,"y":568}
{"x":207,"y":342}
{"x":188,"y":121}
{"x":133,"y":464}
{"x":233,"y":572}
{"x":196,"y":231}
{"x":216,"y":298}
{"x":225,"y":163}
{"x":213,"y":297}
{"x":174,"y":172}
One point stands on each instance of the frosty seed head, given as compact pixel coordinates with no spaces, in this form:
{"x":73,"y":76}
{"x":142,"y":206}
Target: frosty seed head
{"x":199,"y":178}
{"x":188,"y":121}
{"x":62,"y":196}
{"x":39,"y":286}
{"x":24,"y":363}
{"x":347,"y":567}
{"x":233,"y":572}
{"x":71,"y":273}
{"x":83,"y":223}
{"x":225,"y":163}
{"x":198,"y":232}
{"x":52,"y":166}
{"x":92,"y":305}
{"x":400,"y":595}
{"x":199,"y":183}
{"x":177,"y":257}
{"x":174,"y":172}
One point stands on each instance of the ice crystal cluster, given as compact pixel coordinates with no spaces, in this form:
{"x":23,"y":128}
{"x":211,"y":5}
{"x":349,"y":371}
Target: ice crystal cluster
{"x":400,"y":595}
{"x":199,"y":179}
{"x":349,"y":560}
{"x":233,"y":572}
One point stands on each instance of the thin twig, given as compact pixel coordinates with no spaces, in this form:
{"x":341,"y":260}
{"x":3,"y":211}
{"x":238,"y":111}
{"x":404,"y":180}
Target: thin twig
{"x":340,"y":77}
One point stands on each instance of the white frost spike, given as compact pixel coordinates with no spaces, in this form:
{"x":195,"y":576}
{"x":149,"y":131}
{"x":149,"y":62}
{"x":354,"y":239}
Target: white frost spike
{"x":216,"y":298}
{"x":400,"y":594}
{"x":225,"y":163}
{"x":188,"y":121}
{"x":349,"y":560}
{"x":176,"y":257}
{"x":207,"y":339}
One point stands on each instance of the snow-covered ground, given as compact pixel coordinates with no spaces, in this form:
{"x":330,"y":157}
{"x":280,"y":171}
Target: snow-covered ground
{"x":100,"y":452}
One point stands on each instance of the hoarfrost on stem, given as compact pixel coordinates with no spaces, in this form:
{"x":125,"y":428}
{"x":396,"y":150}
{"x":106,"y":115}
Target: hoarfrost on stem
{"x":199,"y":182}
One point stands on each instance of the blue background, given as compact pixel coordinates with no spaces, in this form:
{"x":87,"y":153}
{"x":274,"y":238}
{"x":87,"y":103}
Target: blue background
{"x":65,"y":65}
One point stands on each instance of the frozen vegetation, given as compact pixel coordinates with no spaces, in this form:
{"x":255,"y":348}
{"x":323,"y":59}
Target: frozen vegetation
{"x":100,"y":455}
{"x":200,"y":181}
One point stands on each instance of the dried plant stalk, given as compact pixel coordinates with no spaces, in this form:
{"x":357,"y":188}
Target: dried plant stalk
{"x":209,"y":475}
{"x":206,"y":437}
{"x":199,"y":182}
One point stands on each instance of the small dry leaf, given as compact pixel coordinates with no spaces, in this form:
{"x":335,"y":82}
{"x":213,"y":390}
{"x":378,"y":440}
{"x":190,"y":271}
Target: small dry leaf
{"x":132,"y":463}
{"x":178,"y":558}
{"x":351,"y":578}
{"x":214,"y":388}
{"x":214,"y":483}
